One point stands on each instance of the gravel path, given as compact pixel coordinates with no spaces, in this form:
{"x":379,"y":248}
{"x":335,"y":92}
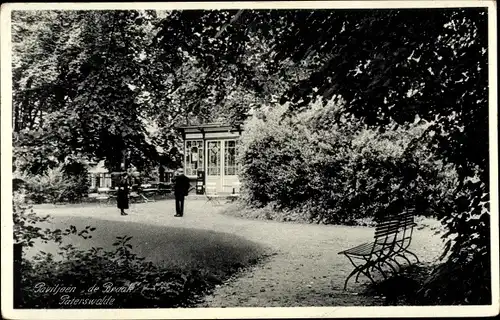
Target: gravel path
{"x":304,"y":270}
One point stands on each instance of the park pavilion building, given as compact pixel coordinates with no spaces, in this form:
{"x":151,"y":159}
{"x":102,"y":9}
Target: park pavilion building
{"x":210,"y":156}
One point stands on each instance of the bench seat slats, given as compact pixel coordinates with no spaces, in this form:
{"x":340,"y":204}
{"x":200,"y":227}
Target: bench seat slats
{"x":368,"y":248}
{"x":363,"y":249}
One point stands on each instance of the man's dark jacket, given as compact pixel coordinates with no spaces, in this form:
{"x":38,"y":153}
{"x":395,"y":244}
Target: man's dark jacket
{"x":181,"y":185}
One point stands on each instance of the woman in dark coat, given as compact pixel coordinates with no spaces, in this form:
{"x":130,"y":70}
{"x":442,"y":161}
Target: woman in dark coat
{"x":122,"y":196}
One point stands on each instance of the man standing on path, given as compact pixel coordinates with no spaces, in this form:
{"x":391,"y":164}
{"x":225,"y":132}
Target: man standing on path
{"x":181,"y":189}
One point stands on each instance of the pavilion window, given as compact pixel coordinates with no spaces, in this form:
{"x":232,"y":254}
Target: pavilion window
{"x":193,"y":157}
{"x":230,"y":165}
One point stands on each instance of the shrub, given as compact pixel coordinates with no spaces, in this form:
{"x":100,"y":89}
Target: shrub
{"x":56,"y":185}
{"x":147,"y":286}
{"x":467,"y":255}
{"x":268,"y":212}
{"x":327,"y":166}
{"x":78,"y":180}
{"x":471,"y":278}
{"x":47,"y":187}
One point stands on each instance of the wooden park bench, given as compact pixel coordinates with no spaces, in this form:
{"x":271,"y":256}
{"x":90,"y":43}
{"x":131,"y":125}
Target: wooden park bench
{"x":392,"y":239}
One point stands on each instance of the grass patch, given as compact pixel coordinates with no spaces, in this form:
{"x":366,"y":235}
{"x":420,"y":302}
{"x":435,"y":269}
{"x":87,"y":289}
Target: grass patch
{"x":241,"y":210}
{"x":169,"y":266}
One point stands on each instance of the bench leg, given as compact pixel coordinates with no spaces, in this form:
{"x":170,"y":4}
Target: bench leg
{"x":349,"y":277}
{"x":390,"y":265}
{"x":357,"y":277}
{"x":402,"y":256}
{"x":379,"y":264}
{"x":414,"y":255}
{"x":395,"y":261}
{"x":371,"y":265}
{"x":358,"y":269}
{"x":380,"y":260}
{"x":410,"y":253}
{"x":367,"y":274}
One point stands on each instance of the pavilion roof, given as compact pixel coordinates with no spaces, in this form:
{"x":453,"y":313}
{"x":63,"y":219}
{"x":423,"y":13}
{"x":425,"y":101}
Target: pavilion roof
{"x":211,"y":127}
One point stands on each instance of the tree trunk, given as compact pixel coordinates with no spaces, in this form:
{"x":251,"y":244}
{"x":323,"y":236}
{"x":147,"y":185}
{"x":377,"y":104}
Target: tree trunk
{"x":16,"y":117}
{"x":18,"y":253}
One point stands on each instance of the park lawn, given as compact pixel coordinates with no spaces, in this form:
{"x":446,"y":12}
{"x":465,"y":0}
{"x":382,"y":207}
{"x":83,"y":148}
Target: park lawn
{"x":216,"y":256}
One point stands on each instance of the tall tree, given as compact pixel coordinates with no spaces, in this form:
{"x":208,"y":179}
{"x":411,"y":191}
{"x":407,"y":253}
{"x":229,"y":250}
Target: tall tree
{"x":88,"y":68}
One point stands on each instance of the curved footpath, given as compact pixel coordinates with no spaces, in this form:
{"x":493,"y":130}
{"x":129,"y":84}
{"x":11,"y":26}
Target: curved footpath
{"x":304,"y":270}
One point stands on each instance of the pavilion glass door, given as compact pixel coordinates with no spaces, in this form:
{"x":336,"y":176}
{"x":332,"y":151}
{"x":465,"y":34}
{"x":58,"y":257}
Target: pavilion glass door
{"x":221,"y":165}
{"x":214,"y":164}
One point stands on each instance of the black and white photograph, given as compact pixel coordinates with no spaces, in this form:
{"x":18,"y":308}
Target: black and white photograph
{"x":289,"y":158}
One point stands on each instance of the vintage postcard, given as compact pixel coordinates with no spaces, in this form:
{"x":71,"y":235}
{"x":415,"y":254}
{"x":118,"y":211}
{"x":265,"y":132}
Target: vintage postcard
{"x":208,"y":160}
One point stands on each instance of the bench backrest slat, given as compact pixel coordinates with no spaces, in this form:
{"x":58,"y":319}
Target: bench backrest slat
{"x":395,"y":224}
{"x":390,"y":232}
{"x":401,"y":223}
{"x":388,"y":229}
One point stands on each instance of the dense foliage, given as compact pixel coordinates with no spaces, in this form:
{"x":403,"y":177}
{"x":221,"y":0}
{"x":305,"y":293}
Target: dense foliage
{"x":78,"y":78}
{"x":64,"y":183}
{"x":334,"y":170}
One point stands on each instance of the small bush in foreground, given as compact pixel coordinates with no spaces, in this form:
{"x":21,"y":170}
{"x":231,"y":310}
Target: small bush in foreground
{"x":98,"y":278}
